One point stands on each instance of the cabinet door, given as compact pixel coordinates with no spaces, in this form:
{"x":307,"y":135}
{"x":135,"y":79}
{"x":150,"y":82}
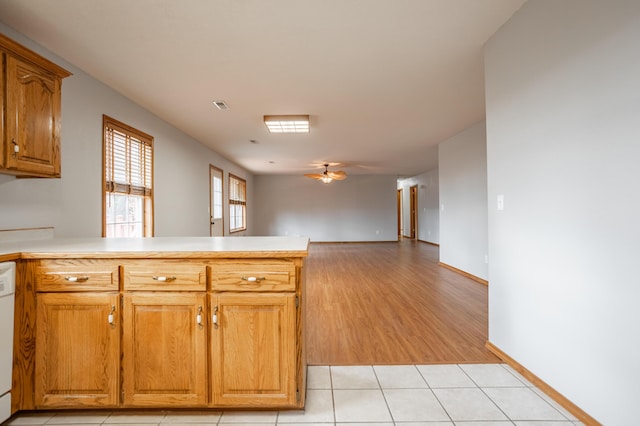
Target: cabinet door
{"x":164,"y":349}
{"x":77,"y":350}
{"x":253,"y":354}
{"x":32,"y":141}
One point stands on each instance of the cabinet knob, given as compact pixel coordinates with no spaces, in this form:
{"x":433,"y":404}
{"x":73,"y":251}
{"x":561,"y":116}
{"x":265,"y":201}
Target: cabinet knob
{"x":253,"y":279}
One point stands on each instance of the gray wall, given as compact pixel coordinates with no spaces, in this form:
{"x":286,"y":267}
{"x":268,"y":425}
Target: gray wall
{"x":360,"y":208}
{"x":73,"y":204}
{"x":462,"y":163}
{"x":428,"y":206}
{"x":563,"y":146}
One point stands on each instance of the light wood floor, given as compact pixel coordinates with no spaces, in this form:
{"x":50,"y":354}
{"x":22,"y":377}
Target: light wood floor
{"x":390,"y":303}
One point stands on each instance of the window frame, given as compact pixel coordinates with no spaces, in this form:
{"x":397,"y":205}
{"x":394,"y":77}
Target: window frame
{"x":110,"y":124}
{"x":237,"y":201}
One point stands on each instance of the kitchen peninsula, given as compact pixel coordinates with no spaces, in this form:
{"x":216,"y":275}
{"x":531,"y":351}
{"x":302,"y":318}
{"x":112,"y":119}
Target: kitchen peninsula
{"x":159,"y":323}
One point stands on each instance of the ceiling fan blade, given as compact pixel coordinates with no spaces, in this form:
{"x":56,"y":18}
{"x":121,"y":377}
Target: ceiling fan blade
{"x":314,"y":175}
{"x":340,"y":175}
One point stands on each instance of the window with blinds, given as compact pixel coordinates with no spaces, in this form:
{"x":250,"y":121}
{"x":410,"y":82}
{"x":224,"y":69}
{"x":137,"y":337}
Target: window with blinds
{"x":237,"y":204}
{"x":128,"y":181}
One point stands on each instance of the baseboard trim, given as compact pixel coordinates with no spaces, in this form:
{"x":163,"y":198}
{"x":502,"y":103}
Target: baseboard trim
{"x":430,"y":243}
{"x":466,"y":274}
{"x":544,"y":387}
{"x":353,"y":242}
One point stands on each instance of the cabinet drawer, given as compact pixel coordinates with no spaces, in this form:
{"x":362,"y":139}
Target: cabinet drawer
{"x":165,"y":275}
{"x":76,"y":275}
{"x":253,"y":275}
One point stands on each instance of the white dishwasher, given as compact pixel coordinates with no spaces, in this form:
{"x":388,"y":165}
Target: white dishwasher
{"x":7,"y":296}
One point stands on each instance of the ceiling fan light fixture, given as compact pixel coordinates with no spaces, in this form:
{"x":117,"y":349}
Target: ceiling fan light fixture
{"x":287,"y":123}
{"x":327,"y":177}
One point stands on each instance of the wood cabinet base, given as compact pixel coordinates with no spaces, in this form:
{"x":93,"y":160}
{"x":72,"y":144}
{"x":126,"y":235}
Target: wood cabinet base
{"x":154,"y":333}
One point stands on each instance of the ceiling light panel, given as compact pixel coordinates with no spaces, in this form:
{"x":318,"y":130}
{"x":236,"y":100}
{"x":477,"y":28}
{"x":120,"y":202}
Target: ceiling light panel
{"x":287,"y":123}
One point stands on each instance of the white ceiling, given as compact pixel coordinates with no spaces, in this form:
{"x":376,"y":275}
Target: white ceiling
{"x":384,"y":81}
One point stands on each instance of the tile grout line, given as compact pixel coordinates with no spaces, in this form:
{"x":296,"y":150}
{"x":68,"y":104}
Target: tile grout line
{"x":531,"y":387}
{"x":434,"y":394}
{"x":375,"y":374}
{"x":333,"y":398}
{"x":530,"y":390}
{"x":485,"y":394}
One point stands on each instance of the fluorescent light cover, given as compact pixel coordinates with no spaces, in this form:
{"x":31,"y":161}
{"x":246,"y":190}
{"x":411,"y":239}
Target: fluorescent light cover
{"x":287,"y":123}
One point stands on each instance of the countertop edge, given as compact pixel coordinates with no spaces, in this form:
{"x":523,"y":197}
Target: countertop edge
{"x":162,"y":255}
{"x":159,"y":248}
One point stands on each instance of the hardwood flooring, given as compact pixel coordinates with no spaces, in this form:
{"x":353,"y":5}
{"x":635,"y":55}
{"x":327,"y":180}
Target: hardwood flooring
{"x":390,"y":303}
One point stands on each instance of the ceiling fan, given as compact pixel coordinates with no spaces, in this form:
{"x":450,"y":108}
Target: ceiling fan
{"x":327,"y":176}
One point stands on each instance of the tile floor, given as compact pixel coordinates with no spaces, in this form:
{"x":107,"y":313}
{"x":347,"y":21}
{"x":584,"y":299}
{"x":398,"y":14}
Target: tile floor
{"x":410,"y":395}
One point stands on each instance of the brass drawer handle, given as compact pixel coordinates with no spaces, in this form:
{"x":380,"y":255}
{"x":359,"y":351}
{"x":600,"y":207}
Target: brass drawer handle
{"x":164,"y":279}
{"x":73,"y":279}
{"x":214,"y":317}
{"x":111,"y":318}
{"x":199,"y":317}
{"x":253,"y":279}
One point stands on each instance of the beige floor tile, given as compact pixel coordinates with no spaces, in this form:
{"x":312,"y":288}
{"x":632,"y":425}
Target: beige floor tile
{"x":318,"y":409}
{"x":468,"y":404}
{"x":445,"y":376}
{"x":361,"y":405}
{"x":523,"y":404}
{"x":354,"y":377}
{"x":318,"y":377}
{"x":399,"y":376}
{"x":412,"y":405}
{"x":491,"y":375}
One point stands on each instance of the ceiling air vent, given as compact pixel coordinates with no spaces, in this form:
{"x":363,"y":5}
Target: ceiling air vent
{"x":221,"y":105}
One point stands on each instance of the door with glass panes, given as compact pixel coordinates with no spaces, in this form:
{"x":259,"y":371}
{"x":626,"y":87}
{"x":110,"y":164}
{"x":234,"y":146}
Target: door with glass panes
{"x":216,"y":222}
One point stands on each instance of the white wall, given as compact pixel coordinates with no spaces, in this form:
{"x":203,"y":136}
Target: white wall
{"x":73,"y":204}
{"x":360,"y":208}
{"x":428,"y":206}
{"x":462,"y":164}
{"x":563,"y":145}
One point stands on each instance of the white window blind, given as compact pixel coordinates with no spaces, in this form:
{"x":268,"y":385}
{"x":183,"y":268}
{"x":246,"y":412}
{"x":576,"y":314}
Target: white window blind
{"x":128,"y":162}
{"x":128,"y":181}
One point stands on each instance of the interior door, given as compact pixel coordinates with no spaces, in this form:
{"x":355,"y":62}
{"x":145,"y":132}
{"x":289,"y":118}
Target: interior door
{"x":413,"y":207}
{"x":216,"y":221}
{"x":399,"y":213}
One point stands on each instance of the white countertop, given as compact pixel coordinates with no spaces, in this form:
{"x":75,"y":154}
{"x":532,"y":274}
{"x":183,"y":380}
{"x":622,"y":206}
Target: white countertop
{"x":158,"y":247}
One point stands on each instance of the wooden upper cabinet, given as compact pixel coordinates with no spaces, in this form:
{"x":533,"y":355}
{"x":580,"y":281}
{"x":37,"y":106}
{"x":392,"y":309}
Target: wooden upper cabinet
{"x":32,"y":112}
